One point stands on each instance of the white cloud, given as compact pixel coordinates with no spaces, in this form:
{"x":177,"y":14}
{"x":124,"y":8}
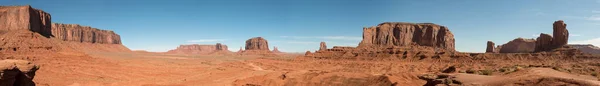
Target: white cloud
{"x":341,"y":38}
{"x":325,"y":37}
{"x":206,"y":40}
{"x":302,"y":42}
{"x":595,"y":42}
{"x":540,"y":14}
{"x":575,"y":35}
{"x":594,"y":18}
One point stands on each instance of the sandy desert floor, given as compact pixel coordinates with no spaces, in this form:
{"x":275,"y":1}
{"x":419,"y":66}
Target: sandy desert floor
{"x":156,"y":69}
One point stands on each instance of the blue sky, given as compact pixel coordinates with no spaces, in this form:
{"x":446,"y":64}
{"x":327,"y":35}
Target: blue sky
{"x":299,"y":25}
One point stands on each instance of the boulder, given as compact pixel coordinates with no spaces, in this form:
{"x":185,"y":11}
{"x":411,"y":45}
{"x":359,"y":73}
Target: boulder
{"x":560,"y":33}
{"x":17,"y":73}
{"x":323,"y":46}
{"x":25,"y":17}
{"x":402,"y":34}
{"x":519,"y":45}
{"x":257,"y":43}
{"x":198,"y":49}
{"x":544,"y":43}
{"x":85,"y":34}
{"x":490,"y":47}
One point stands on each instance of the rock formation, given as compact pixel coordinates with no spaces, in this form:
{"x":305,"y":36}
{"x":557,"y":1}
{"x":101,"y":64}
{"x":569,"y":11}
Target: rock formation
{"x":560,"y":33}
{"x":17,"y":73}
{"x":241,"y":50}
{"x":257,"y":46}
{"x":257,"y":43}
{"x":323,"y":46}
{"x":544,"y":43}
{"x":25,"y":17}
{"x":275,"y":50}
{"x":519,"y":45}
{"x":490,"y":47}
{"x":87,"y":34}
{"x":198,"y":49}
{"x":396,"y":40}
{"x":390,"y":34}
{"x":586,"y":48}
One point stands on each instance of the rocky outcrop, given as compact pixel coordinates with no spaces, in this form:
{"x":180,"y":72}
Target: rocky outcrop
{"x":490,"y":47}
{"x":519,"y":45}
{"x":25,"y":18}
{"x":323,"y":46}
{"x":257,"y":46}
{"x":544,"y":43}
{"x":560,"y":33}
{"x":198,"y":49}
{"x":257,"y":43}
{"x":17,"y":73}
{"x":395,"y":40}
{"x":275,"y":50}
{"x":586,"y":48}
{"x":401,"y":34}
{"x":86,"y":34}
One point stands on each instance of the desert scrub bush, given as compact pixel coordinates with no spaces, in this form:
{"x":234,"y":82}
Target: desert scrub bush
{"x":595,"y":74}
{"x":486,"y":72}
{"x":470,"y":71}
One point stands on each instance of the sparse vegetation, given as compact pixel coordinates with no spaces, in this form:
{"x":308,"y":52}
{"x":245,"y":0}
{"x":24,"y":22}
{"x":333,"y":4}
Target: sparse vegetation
{"x":471,"y":71}
{"x":595,"y":74}
{"x":486,"y":72}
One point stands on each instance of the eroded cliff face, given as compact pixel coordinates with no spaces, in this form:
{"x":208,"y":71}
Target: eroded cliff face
{"x":87,"y":34}
{"x":25,"y":17}
{"x":257,"y":43}
{"x":198,"y":49}
{"x":401,"y":34}
{"x":519,"y":45}
{"x":395,"y":40}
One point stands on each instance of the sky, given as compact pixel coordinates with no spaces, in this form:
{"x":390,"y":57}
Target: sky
{"x":300,"y":25}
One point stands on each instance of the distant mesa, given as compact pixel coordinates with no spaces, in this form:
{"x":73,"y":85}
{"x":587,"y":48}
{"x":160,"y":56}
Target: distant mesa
{"x":543,"y":43}
{"x":26,"y":29}
{"x":275,"y":50}
{"x":586,"y":48}
{"x":401,"y":34}
{"x":394,"y":39}
{"x":257,"y":46}
{"x":87,"y":34}
{"x":199,"y":49}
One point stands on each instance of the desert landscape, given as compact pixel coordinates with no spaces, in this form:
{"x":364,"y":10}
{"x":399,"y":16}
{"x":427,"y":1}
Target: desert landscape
{"x":36,"y":51}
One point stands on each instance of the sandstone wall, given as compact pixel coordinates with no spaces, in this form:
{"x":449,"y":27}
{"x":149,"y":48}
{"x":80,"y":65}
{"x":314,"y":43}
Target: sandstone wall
{"x":77,"y":33}
{"x":519,"y":45}
{"x":408,"y":34}
{"x":198,"y":49}
{"x":257,"y":43}
{"x":25,"y":17}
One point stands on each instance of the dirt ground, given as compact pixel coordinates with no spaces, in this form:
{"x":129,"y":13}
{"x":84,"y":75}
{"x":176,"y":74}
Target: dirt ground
{"x":157,"y":69}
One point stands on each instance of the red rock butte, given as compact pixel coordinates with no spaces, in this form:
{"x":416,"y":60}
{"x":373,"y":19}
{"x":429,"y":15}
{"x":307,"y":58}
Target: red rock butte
{"x":199,"y":49}
{"x":77,"y":33}
{"x":257,"y":46}
{"x":543,"y":43}
{"x":25,"y":18}
{"x":400,"y":34}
